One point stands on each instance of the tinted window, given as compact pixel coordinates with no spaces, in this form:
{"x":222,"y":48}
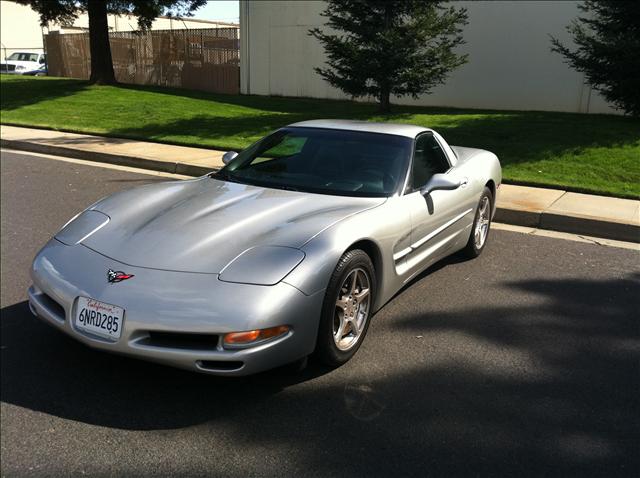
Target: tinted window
{"x":324,"y":161}
{"x":428,"y":159}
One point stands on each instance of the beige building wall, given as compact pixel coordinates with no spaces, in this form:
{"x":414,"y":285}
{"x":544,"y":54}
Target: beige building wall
{"x":19,"y":29}
{"x":20,"y":26}
{"x":510,"y":65}
{"x":127,"y":23}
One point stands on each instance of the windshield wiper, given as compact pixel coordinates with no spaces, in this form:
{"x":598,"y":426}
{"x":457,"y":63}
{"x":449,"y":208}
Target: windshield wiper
{"x":220,"y":174}
{"x":286,"y":188}
{"x":225,"y":176}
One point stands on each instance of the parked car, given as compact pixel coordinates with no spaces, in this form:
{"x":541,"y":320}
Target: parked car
{"x":20,"y":63}
{"x":42,"y":71}
{"x":288,"y":250}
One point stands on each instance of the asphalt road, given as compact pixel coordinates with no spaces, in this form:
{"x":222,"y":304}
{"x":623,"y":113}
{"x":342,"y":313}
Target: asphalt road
{"x":522,"y":362}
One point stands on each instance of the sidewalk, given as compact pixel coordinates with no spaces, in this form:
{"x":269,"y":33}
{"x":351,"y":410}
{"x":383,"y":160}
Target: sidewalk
{"x":551,"y":209}
{"x":125,"y":152}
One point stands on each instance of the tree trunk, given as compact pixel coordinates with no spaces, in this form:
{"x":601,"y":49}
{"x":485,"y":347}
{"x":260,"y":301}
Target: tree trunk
{"x":101,"y":62}
{"x":384,"y":105}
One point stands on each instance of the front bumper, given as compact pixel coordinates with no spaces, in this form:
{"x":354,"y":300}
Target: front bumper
{"x":174,"y":304}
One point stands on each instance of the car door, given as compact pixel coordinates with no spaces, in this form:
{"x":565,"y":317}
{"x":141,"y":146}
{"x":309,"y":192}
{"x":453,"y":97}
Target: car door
{"x":439,"y":218}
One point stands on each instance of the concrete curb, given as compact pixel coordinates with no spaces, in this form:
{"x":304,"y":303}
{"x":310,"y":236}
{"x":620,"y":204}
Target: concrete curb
{"x":520,"y":217}
{"x":111,"y":158}
{"x":580,"y":225}
{"x":572,"y":224}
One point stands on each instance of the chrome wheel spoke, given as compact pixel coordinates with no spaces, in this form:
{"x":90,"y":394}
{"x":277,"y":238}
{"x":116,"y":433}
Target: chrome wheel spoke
{"x":483,"y":211}
{"x":354,"y":282}
{"x":362,"y":295}
{"x":354,"y":327}
{"x":339,"y":334}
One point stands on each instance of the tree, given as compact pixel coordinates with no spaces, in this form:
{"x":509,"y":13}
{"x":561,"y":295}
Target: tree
{"x":66,"y":11}
{"x":608,"y":50}
{"x":390,"y":47}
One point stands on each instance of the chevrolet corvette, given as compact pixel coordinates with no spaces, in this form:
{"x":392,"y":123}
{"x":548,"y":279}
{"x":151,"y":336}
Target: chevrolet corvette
{"x":286,"y":251}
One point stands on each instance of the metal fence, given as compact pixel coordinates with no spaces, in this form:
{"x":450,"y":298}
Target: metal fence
{"x":200,"y":59}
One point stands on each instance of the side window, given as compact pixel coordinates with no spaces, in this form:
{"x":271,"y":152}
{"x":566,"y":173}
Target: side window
{"x":43,"y":59}
{"x":428,"y":159}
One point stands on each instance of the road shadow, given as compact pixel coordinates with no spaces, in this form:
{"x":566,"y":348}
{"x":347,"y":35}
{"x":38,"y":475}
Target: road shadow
{"x":70,"y":380}
{"x":549,"y":388}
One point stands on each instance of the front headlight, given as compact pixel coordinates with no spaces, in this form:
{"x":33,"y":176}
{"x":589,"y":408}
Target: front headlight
{"x":81,"y":227}
{"x":263,"y":265}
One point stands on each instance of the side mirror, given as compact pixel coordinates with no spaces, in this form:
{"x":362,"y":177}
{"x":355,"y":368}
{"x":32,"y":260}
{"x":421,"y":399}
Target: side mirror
{"x":228,"y":156}
{"x":442,"y":182}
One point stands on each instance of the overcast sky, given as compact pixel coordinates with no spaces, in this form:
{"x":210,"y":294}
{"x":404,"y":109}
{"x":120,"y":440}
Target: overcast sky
{"x":223,"y":10}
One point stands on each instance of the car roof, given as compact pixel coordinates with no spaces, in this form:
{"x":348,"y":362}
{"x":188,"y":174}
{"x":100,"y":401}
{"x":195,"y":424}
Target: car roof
{"x":407,"y":130}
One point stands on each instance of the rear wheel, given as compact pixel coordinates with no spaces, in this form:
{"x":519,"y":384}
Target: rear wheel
{"x":481,"y":225}
{"x":347,"y":308}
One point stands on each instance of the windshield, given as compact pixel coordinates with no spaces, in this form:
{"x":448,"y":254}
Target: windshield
{"x":23,"y":57}
{"x":324,"y":161}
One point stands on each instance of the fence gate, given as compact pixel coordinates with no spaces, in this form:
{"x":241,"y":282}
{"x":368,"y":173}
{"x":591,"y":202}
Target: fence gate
{"x":205,"y":59}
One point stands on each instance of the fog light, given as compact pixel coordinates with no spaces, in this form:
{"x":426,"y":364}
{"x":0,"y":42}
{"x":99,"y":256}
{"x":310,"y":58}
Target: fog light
{"x":250,"y":337}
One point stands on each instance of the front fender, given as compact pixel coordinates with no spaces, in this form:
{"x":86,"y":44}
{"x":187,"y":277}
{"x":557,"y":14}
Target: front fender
{"x":385,"y":228}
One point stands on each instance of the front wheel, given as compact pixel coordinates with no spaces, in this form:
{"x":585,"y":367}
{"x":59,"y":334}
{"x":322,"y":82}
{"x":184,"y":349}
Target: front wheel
{"x":347,"y":308}
{"x":481,"y":226}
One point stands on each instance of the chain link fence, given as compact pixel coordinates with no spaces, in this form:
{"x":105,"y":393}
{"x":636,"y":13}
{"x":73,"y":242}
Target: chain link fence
{"x":199,"y":59}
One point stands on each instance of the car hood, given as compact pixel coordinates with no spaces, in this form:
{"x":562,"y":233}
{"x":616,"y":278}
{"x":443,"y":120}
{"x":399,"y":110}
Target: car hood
{"x":201,"y":225}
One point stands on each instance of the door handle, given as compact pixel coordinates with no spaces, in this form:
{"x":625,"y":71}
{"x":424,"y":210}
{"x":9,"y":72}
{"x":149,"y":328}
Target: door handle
{"x":464,"y":182}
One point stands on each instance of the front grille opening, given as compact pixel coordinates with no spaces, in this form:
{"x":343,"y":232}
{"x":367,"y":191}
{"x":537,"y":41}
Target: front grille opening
{"x":181,"y":341}
{"x":53,"y":307}
{"x":215,"y":365}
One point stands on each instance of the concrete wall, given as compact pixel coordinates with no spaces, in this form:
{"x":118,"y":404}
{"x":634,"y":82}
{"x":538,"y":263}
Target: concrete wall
{"x":510,"y":62}
{"x":20,"y":26}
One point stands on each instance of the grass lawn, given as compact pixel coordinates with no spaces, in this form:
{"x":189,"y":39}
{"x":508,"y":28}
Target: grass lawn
{"x":590,"y":153}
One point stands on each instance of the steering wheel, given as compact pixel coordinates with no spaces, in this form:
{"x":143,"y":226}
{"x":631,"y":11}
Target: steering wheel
{"x":388,"y":180}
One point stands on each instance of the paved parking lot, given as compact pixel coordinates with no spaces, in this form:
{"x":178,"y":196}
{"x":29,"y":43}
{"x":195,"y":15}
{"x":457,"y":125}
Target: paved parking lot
{"x":522,"y":362}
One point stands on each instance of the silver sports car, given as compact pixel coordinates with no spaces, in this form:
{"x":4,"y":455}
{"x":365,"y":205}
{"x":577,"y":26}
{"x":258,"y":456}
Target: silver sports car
{"x":288,"y":250}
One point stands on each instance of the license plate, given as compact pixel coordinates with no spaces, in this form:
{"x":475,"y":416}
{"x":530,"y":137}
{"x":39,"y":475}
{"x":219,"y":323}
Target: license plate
{"x":98,"y":318}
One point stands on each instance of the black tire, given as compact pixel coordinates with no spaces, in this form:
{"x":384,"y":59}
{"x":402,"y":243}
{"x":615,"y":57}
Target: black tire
{"x":472,"y":250}
{"x":327,"y":350}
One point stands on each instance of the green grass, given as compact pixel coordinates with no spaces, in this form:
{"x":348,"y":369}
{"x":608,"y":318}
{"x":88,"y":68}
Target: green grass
{"x":591,"y":153}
